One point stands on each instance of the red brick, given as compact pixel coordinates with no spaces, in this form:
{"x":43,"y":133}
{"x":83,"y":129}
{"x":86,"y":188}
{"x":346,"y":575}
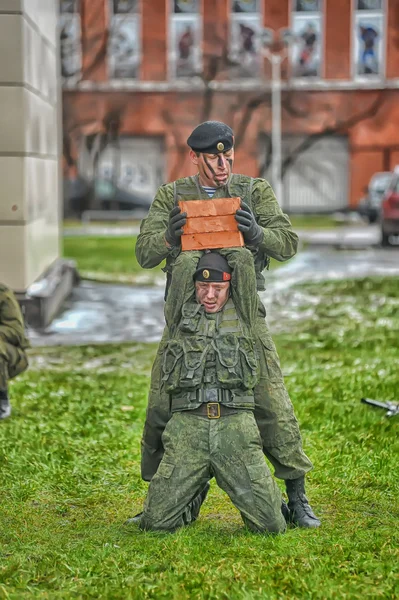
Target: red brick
{"x":209,"y":241}
{"x":210,"y":208}
{"x":210,"y":224}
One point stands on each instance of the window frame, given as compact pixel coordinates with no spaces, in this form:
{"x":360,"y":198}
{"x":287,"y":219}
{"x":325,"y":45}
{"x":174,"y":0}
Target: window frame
{"x":247,"y":16}
{"x":321,"y":15}
{"x":72,"y":16}
{"x":171,"y":37}
{"x":110,"y":60}
{"x":382,"y":12}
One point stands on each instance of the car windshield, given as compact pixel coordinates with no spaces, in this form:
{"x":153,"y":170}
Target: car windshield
{"x":379,"y":183}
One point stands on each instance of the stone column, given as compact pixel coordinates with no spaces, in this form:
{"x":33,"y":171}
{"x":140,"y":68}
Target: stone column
{"x":30,"y":125}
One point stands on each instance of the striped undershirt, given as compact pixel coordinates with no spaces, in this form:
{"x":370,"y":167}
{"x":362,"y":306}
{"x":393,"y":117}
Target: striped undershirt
{"x":209,"y":190}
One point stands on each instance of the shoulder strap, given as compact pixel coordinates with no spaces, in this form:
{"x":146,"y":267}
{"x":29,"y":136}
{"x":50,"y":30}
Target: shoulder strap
{"x":250,"y":186}
{"x":241,"y":185}
{"x":249,"y":194}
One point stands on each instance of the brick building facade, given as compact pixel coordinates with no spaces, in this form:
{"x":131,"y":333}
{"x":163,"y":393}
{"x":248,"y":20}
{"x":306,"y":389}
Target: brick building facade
{"x":140,"y":74}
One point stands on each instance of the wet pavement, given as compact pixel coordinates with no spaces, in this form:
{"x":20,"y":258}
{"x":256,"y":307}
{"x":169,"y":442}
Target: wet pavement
{"x":344,"y":236}
{"x":98,"y":312}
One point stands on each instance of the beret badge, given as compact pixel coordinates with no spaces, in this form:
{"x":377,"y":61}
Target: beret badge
{"x":220,"y":146}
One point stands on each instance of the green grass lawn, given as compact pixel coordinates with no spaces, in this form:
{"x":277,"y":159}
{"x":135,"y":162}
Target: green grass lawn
{"x":78,"y":224}
{"x":313,"y":221}
{"x":109,"y":259}
{"x":69,"y":473}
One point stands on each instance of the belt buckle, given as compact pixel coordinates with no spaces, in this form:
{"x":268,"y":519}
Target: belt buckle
{"x":213,"y":410}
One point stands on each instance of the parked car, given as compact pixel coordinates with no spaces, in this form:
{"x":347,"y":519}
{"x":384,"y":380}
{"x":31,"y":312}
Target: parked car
{"x":369,"y":206}
{"x":390,"y":210}
{"x":81,"y":194}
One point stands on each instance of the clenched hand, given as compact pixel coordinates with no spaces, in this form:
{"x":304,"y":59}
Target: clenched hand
{"x":177,"y":220}
{"x":252,"y":232}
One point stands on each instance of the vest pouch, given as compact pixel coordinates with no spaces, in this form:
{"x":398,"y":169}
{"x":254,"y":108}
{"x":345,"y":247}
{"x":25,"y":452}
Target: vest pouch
{"x":228,"y":365}
{"x":193,"y":363}
{"x":191,"y":316}
{"x":171,"y":366}
{"x":249,"y":363}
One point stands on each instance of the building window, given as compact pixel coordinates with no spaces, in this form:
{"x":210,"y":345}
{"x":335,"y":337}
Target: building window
{"x":245,"y":29}
{"x":306,"y":50}
{"x":70,"y":40}
{"x":368,"y":33}
{"x":124,"y":47}
{"x":185,"y":58}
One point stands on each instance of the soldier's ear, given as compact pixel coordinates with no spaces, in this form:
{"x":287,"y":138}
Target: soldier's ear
{"x":194,"y":157}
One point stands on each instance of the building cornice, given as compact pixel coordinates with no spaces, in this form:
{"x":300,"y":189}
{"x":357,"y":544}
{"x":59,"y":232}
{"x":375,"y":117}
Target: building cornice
{"x":245,"y":85}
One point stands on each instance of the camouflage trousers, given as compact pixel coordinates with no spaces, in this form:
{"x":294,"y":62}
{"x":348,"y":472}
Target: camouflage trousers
{"x":197,"y":449}
{"x":274,"y":413}
{"x":13,"y":361}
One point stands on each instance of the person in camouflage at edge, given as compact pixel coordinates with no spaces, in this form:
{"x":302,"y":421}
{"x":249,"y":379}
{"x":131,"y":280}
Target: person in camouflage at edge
{"x":13,"y":343}
{"x":209,"y":370}
{"x":267,"y":233}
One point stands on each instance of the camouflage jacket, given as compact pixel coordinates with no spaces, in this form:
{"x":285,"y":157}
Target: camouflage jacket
{"x":12,"y":329}
{"x":210,"y":353}
{"x":279,"y":240}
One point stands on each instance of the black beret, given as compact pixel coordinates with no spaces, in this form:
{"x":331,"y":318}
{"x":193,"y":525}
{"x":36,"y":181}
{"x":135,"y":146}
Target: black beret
{"x":212,"y":267}
{"x":211,"y":137}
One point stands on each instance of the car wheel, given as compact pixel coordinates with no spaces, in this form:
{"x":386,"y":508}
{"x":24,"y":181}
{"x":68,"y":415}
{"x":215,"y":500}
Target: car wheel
{"x":384,"y":239}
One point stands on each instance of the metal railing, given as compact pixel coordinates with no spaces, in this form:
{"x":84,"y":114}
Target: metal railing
{"x":89,"y":216}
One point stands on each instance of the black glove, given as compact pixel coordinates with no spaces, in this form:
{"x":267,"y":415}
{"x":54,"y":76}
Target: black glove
{"x":176,"y":221}
{"x":253,"y":233}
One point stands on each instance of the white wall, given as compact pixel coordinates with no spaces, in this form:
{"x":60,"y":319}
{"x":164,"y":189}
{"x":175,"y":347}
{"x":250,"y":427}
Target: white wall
{"x":29,"y":140}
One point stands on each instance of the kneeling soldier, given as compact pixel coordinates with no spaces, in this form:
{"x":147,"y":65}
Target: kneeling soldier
{"x":13,"y":343}
{"x":210,"y":370}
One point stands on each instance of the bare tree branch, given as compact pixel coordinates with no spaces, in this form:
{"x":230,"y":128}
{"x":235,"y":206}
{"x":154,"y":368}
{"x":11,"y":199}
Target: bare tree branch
{"x":180,"y":147}
{"x":267,"y":139}
{"x":249,"y":108}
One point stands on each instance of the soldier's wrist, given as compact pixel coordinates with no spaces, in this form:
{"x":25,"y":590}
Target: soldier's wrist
{"x":256,"y":239}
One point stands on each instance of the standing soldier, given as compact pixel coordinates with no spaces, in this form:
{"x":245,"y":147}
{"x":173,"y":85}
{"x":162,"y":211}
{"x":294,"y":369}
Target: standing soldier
{"x":267,"y":233}
{"x":13,"y":343}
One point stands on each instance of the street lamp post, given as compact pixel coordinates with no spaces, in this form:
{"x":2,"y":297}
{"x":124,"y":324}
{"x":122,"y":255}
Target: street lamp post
{"x":276,"y":58}
{"x":276,"y":126}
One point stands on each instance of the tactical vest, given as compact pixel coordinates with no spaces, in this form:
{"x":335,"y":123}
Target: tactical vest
{"x":240,"y":186}
{"x":211,"y":358}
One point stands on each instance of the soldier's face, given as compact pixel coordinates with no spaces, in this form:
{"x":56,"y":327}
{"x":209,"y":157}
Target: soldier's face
{"x":212,"y":296}
{"x":214,"y":169}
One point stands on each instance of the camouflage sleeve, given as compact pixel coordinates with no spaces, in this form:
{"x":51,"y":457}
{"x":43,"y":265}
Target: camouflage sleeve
{"x":182,"y":286}
{"x":12,"y":329}
{"x":243,"y":283}
{"x":151,"y":248}
{"x":279,"y":240}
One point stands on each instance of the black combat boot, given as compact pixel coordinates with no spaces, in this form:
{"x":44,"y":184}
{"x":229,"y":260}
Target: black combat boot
{"x":5,"y":407}
{"x":301,"y":513}
{"x":285,"y":511}
{"x":134,"y":520}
